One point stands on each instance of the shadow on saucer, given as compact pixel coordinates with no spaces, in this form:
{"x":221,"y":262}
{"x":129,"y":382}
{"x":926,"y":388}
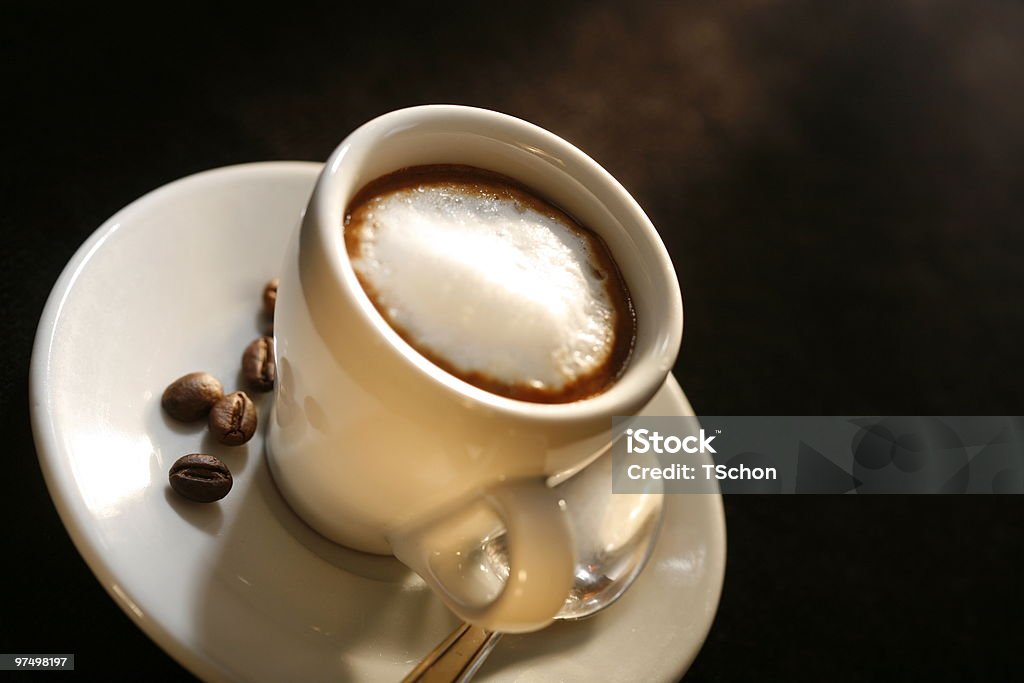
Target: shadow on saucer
{"x":235,"y":457}
{"x":263,"y":323}
{"x":206,"y":517}
{"x":276,"y":586}
{"x":176,"y":426}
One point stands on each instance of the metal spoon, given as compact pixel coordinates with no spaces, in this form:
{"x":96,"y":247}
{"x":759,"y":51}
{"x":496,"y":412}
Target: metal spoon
{"x":614,"y":536}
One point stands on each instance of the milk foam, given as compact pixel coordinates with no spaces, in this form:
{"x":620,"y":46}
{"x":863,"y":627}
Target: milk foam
{"x":487,"y":283}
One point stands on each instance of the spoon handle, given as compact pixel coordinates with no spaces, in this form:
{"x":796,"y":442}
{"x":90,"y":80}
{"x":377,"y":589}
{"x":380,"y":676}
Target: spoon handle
{"x":457,"y":658}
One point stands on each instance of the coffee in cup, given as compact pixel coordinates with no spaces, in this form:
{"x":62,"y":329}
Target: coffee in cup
{"x":491,"y":282}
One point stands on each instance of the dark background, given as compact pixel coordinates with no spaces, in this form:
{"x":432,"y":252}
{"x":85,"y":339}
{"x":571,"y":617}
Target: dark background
{"x":840,"y":185}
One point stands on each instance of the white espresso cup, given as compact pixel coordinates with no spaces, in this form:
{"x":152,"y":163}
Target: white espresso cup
{"x":380,"y":450}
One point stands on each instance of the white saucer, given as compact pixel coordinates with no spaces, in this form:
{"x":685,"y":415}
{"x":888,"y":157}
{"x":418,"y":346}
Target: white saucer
{"x":242,"y":589}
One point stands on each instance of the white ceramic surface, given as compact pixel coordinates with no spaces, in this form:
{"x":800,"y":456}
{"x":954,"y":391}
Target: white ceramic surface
{"x":358,"y":410}
{"x":242,"y":589}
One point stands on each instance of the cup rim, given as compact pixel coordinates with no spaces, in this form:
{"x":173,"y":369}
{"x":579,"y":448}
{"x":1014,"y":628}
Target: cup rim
{"x":645,"y":373}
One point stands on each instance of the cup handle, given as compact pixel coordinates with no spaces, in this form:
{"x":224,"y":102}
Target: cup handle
{"x":541,"y":559}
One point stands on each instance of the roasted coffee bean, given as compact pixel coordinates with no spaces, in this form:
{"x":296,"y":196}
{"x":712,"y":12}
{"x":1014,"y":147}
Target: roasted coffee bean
{"x":270,"y":297}
{"x":202,"y":478}
{"x":258,"y":365}
{"x":233,"y":419}
{"x":190,"y":397}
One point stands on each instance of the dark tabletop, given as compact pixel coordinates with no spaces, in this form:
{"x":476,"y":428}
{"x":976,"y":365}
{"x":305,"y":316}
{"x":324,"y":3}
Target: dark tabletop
{"x":840,"y":185}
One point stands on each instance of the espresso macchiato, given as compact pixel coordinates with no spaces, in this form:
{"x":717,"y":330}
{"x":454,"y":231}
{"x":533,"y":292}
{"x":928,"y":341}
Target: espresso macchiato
{"x":491,"y":283}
